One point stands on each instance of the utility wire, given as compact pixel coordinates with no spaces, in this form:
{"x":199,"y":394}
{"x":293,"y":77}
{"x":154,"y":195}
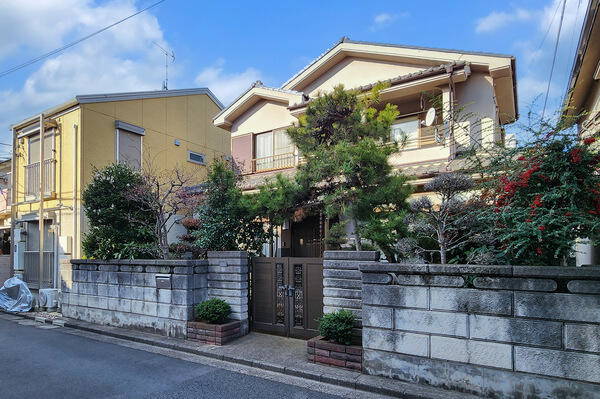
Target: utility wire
{"x":562,"y":15}
{"x":549,"y":26}
{"x":58,"y":50}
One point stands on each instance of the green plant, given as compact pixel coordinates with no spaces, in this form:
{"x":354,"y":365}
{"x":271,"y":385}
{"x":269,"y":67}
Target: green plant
{"x":225,"y":218}
{"x":337,"y":326}
{"x":544,"y":194}
{"x":119,"y":228}
{"x":214,"y":310}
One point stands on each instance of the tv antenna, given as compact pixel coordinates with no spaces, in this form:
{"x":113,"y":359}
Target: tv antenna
{"x":168,"y":55}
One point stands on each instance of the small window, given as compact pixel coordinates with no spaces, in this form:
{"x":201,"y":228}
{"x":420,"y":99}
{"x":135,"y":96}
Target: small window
{"x":196,"y":157}
{"x":129,"y":148}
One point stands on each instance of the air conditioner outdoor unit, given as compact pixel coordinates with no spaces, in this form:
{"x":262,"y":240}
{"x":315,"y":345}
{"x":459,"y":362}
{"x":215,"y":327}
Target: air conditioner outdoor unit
{"x":48,"y":298}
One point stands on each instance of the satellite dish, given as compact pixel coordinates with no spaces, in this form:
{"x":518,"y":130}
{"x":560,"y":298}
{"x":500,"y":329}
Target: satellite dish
{"x":430,"y":116}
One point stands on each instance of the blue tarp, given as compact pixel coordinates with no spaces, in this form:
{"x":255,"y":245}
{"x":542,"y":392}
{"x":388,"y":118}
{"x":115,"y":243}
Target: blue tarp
{"x":15,"y":296}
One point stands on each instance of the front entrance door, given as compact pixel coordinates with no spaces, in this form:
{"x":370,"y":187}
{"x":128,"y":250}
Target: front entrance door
{"x":286,"y":296}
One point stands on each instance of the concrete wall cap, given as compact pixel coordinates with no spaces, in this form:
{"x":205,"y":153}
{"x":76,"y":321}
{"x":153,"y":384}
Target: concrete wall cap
{"x":351,"y":255}
{"x":142,"y":262}
{"x":227,"y":254}
{"x":564,"y":272}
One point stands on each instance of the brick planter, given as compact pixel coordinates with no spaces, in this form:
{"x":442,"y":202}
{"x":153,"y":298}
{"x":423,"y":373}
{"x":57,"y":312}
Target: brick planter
{"x":332,"y":354}
{"x":214,"y":334}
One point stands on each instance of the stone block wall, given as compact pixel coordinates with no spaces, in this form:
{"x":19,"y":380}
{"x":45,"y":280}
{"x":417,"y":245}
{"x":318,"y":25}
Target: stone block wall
{"x":342,"y":285}
{"x":149,"y":295}
{"x":157,"y":296}
{"x":228,"y":280}
{"x":495,"y":331}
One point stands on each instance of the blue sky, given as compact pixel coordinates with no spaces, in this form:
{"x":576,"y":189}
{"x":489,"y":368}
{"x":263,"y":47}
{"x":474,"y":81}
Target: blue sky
{"x":228,"y":45}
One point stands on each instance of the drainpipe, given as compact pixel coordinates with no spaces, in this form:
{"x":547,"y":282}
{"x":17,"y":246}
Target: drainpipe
{"x":41,"y":202}
{"x":12,"y":200}
{"x":73,"y":240}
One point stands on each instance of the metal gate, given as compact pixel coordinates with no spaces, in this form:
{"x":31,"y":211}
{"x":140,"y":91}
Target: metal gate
{"x":286,"y":296}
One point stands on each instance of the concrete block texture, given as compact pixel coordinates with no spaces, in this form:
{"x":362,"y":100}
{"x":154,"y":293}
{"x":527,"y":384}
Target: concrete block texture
{"x":581,"y":366}
{"x":396,"y":295}
{"x":473,"y":352}
{"x":520,"y":331}
{"x":424,"y":321}
{"x":341,"y":283}
{"x":582,"y":337}
{"x":471,"y":379}
{"x":517,"y":284}
{"x":343,"y":274}
{"x":472,"y":300}
{"x":342,"y":293}
{"x":584,"y":287}
{"x":373,"y":316}
{"x":572,"y":307}
{"x":395,"y":341}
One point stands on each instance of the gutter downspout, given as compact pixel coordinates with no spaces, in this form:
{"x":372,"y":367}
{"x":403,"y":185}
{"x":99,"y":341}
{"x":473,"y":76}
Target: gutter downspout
{"x":12,"y":200}
{"x":75,"y":220}
{"x":41,"y":202}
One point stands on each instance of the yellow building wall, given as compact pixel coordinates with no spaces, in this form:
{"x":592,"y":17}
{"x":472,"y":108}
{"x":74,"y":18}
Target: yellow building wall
{"x":63,"y":154}
{"x":187,"y":119}
{"x":184,"y":118}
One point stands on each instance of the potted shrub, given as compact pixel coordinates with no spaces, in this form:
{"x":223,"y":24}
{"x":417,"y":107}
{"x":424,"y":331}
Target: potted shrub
{"x":212,"y":325}
{"x":334,"y":345}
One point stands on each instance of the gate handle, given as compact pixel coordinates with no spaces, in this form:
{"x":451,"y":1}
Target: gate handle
{"x":290,"y":290}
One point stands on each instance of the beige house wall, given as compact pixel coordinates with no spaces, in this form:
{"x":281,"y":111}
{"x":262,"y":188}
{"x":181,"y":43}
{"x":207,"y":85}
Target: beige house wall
{"x":354,"y":72}
{"x":263,"y":116}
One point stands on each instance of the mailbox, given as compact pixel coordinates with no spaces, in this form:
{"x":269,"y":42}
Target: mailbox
{"x":163,"y":281}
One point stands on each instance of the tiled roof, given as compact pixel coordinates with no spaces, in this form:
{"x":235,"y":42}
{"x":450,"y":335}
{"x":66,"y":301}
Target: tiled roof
{"x":402,"y":78}
{"x":258,"y":84}
{"x":347,"y":40}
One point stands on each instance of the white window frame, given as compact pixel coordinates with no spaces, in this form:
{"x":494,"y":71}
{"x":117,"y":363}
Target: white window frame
{"x":189,"y":157}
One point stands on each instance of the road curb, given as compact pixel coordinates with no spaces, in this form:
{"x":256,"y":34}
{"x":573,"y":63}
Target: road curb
{"x":384,"y":386}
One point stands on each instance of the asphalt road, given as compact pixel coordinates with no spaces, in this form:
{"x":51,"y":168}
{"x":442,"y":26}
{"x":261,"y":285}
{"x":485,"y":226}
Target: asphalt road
{"x":42,"y":362}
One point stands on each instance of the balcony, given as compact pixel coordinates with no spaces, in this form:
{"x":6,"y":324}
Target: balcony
{"x":32,"y":179}
{"x":274,"y":162}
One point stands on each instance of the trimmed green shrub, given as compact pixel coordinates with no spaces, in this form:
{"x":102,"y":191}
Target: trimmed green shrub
{"x":119,"y":227}
{"x":214,"y":311}
{"x":337,"y":326}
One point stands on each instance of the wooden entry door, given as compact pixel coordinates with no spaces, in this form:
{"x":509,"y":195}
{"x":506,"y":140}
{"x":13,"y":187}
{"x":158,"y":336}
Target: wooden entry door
{"x":286,"y":296}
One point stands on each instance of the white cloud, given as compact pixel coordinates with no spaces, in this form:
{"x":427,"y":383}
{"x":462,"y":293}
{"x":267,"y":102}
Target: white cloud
{"x":226,"y":86}
{"x":497,"y":20}
{"x":385,"y":19}
{"x":120,"y":59}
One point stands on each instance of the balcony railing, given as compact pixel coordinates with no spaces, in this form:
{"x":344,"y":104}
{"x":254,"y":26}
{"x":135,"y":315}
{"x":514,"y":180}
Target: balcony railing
{"x":32,"y":178}
{"x":274,"y":162}
{"x":31,"y":271}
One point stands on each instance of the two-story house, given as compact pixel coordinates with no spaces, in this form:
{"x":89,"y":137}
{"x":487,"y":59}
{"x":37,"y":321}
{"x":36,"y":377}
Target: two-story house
{"x":582,"y":99}
{"x":481,"y":85}
{"x":55,"y":153}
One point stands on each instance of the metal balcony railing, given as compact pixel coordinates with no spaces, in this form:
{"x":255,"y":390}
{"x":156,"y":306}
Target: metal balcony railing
{"x":274,"y":162}
{"x":31,"y":271}
{"x":32,"y":178}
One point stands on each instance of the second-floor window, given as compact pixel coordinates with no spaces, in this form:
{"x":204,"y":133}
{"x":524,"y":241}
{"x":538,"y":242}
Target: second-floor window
{"x":33,"y":172}
{"x":273,"y":150}
{"x":33,"y":150}
{"x":129,"y":148}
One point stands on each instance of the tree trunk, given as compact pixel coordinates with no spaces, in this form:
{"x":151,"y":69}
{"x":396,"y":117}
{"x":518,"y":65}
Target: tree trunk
{"x":443,"y":255}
